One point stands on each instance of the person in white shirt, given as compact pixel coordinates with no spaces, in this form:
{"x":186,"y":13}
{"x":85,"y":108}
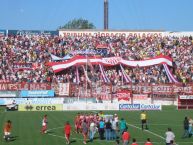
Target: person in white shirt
{"x":93,"y":130}
{"x":169,"y":136}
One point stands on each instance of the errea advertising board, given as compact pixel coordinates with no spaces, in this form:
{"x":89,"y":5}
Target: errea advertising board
{"x":40,"y":107}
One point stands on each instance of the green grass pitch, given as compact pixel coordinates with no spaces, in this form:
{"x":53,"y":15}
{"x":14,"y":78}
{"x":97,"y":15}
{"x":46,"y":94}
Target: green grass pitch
{"x":27,"y":125}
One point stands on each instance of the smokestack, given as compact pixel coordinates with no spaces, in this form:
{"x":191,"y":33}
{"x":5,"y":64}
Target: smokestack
{"x":106,"y":15}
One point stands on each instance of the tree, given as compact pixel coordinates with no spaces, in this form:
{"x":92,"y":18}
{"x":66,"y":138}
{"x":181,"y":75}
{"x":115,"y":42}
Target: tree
{"x":78,"y":24}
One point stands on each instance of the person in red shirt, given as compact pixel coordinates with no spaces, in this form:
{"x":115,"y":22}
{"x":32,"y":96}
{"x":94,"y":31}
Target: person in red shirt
{"x":77,"y":123}
{"x":148,"y":142}
{"x":134,"y":142}
{"x":7,"y":130}
{"x":67,"y":130}
{"x":126,"y":137}
{"x":44,"y":125}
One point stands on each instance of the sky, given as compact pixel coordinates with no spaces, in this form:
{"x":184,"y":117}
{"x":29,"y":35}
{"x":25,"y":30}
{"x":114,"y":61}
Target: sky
{"x":168,"y":15}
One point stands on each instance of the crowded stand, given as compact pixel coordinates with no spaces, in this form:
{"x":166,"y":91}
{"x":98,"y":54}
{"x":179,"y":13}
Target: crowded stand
{"x":25,"y":58}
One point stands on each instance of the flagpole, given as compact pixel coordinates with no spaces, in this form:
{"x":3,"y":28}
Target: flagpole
{"x":87,"y":75}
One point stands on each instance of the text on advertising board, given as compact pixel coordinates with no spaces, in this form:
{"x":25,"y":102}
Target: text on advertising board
{"x":41,"y":107}
{"x":140,"y":107}
{"x":129,"y":106}
{"x":37,"y":93}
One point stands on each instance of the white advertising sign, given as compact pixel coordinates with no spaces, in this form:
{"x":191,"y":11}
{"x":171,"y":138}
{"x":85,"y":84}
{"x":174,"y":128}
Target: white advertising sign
{"x":186,"y":97}
{"x":64,"y":89}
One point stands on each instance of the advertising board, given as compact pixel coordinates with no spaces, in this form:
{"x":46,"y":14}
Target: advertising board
{"x":186,"y":97}
{"x":40,"y":107}
{"x":37,"y":93}
{"x":140,"y":107}
{"x":91,"y":106}
{"x":9,"y":94}
{"x":7,"y":101}
{"x":141,"y":99}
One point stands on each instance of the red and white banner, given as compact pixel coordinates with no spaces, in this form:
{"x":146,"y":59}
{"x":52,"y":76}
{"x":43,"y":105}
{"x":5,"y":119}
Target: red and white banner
{"x":24,"y":86}
{"x":110,"y":61}
{"x":115,"y":33}
{"x":123,"y":95}
{"x":160,"y":89}
{"x":141,"y":99}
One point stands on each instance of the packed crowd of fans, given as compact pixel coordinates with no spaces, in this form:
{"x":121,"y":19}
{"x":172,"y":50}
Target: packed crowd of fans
{"x":24,"y":58}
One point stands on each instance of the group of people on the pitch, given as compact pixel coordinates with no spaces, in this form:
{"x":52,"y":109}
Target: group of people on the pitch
{"x":109,"y":129}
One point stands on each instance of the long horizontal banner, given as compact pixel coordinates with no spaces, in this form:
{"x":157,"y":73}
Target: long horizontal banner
{"x":7,"y":101}
{"x":115,"y":33}
{"x":109,"y":61}
{"x":41,"y":107}
{"x":37,"y":93}
{"x":91,"y":106}
{"x":24,"y":86}
{"x":186,"y":97}
{"x":140,"y":107}
{"x":159,"y":89}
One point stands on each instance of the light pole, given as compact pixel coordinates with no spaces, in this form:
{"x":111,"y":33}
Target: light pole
{"x":106,"y":15}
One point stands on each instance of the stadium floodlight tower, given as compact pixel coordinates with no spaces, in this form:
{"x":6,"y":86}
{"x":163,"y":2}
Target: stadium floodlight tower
{"x":106,"y":15}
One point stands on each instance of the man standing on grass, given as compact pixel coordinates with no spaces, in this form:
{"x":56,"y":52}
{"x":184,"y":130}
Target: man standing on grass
{"x":44,"y":125}
{"x":67,"y":131}
{"x":186,"y":126}
{"x":84,"y":131}
{"x":143,"y":117}
{"x":92,"y":130}
{"x":7,"y":130}
{"x":169,"y":136}
{"x":101,"y":129}
{"x":122,"y":126}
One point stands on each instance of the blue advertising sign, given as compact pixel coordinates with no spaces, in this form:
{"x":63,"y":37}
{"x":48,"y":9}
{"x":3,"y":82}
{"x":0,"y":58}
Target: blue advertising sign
{"x":140,"y":107}
{"x":37,"y":93}
{"x":151,"y":107}
{"x":129,"y":106}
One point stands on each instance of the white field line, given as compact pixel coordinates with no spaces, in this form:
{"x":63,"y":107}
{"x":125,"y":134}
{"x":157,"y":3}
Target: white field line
{"x":155,"y":134}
